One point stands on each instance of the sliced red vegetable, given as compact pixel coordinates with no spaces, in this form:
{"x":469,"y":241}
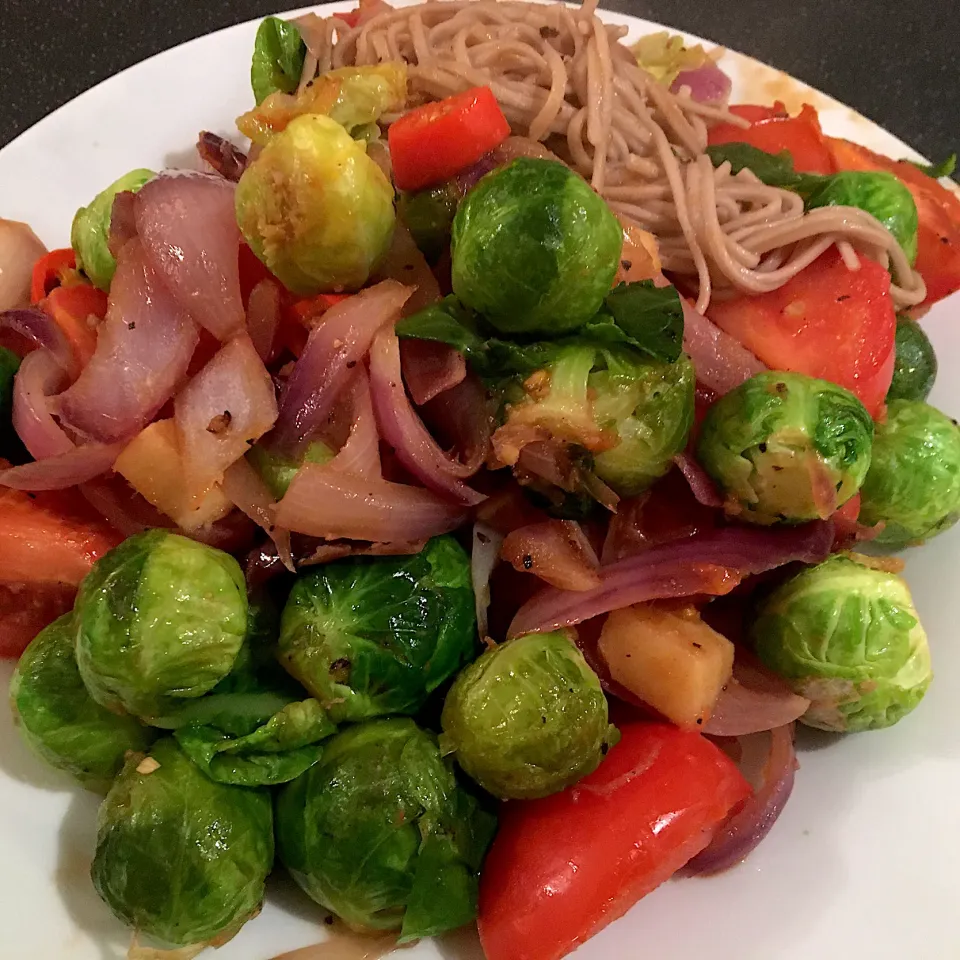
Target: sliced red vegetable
{"x":710,"y":563}
{"x":556,"y":551}
{"x":244,"y":487}
{"x":828,"y":322}
{"x":462,"y":420}
{"x":701,"y":484}
{"x":332,"y":353}
{"x":563,"y":867}
{"x":405,"y":263}
{"x":39,"y":377}
{"x":77,"y":310}
{"x":360,"y":453}
{"x":430,"y":368}
{"x":32,"y":327}
{"x":707,"y":83}
{"x":754,"y":820}
{"x":63,"y":470}
{"x":143,"y":351}
{"x":402,"y":428}
{"x":49,"y":271}
{"x":721,"y":362}
{"x":188,"y":227}
{"x":263,"y":317}
{"x":773,"y":130}
{"x":26,"y":608}
{"x":435,"y":142}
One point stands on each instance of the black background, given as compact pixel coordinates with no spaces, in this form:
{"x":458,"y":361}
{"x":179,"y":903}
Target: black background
{"x":896,"y":61}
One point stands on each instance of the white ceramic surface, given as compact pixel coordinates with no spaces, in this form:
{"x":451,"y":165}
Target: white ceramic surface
{"x":862,"y":864}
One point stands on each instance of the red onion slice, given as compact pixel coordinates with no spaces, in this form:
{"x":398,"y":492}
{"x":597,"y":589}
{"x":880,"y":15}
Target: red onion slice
{"x":263,"y":317}
{"x":122,"y":507}
{"x":39,"y":377}
{"x":228,"y":160}
{"x":244,"y":487}
{"x":754,"y":700}
{"x":701,"y":485}
{"x":333,"y":350}
{"x":143,"y":350}
{"x":462,"y":417}
{"x":707,"y":83}
{"x":41,"y":330}
{"x":65,"y":470}
{"x":721,"y":362}
{"x":230,"y":403}
{"x":332,"y":505}
{"x":556,"y":551}
{"x":406,"y":264}
{"x":711,"y":563}
{"x":360,"y":453}
{"x":404,"y":430}
{"x":430,"y":368}
{"x":746,"y":828}
{"x":188,"y":227}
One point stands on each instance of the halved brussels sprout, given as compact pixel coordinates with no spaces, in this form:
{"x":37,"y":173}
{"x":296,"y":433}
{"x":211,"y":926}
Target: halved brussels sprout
{"x":535,"y":250}
{"x":160,"y":619}
{"x":528,"y":718}
{"x":375,"y":636}
{"x":915,"y":367}
{"x":913,"y":486}
{"x":380,"y":832}
{"x":315,"y":208}
{"x":179,"y":857}
{"x":91,"y":228}
{"x":846,"y":635}
{"x":59,"y":719}
{"x":786,"y":447}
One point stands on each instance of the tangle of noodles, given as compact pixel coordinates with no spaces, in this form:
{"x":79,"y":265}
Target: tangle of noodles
{"x":563,"y":77}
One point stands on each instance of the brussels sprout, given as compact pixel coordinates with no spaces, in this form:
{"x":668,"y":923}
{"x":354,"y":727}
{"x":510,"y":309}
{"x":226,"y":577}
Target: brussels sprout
{"x":59,"y":719}
{"x":846,"y":635}
{"x":373,"y":636}
{"x":915,"y":367}
{"x":534,"y":249}
{"x":650,"y":405}
{"x":179,"y":857}
{"x":429,"y":215}
{"x":880,"y":194}
{"x":256,"y":727}
{"x":91,"y":228}
{"x":380,"y":832}
{"x":278,"y":471}
{"x":278,"y":56}
{"x":786,"y":447}
{"x":528,"y":718}
{"x":315,"y":208}
{"x":913,"y":486}
{"x":159,"y":619}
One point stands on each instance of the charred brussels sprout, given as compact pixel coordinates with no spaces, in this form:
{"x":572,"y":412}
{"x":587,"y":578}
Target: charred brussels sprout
{"x":915,"y":367}
{"x":786,"y":447}
{"x":880,"y":194}
{"x":91,"y":228}
{"x":315,"y":208}
{"x":60,"y":720}
{"x":375,"y":636}
{"x":913,"y":486}
{"x":179,"y":857}
{"x":160,"y":619}
{"x":847,"y":637}
{"x":380,"y":832}
{"x":534,"y":249}
{"x":528,"y":718}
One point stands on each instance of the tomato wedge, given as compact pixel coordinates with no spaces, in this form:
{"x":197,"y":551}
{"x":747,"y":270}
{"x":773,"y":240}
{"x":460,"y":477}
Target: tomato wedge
{"x":827,"y":322}
{"x":436,"y":141}
{"x":563,"y":867}
{"x":938,"y":209}
{"x":773,"y":130}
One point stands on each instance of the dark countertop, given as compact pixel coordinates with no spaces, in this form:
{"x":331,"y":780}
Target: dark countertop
{"x":894,"y":61}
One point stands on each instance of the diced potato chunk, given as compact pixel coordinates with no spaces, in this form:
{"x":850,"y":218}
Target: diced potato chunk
{"x":669,"y":658}
{"x":153,"y":465}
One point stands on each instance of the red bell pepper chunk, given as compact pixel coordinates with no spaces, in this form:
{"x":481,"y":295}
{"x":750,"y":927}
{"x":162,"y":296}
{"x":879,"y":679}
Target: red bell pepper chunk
{"x":49,"y":271}
{"x":436,"y":141}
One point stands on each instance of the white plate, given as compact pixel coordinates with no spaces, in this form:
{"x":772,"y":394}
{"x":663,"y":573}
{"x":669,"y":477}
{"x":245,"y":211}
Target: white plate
{"x":863,"y":863}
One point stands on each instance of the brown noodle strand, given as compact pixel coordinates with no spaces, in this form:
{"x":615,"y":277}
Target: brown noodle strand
{"x":564,"y":77}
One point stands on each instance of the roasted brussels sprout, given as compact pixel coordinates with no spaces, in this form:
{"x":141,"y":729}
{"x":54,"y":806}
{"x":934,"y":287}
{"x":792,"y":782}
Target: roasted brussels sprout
{"x":786,"y":447}
{"x":528,"y":718}
{"x":278,"y":56}
{"x":179,"y":857}
{"x":91,"y":228}
{"x":278,"y":471}
{"x":159,"y":619}
{"x":846,"y":636}
{"x":315,"y":208}
{"x":534,"y":249}
{"x":256,"y":727}
{"x":880,"y":194}
{"x":58,"y":718}
{"x":913,"y":486}
{"x":380,"y":832}
{"x":375,"y":636}
{"x":915,"y":367}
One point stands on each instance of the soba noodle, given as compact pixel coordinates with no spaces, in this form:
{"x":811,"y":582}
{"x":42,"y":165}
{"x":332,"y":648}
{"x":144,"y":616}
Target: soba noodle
{"x":564,"y":77}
